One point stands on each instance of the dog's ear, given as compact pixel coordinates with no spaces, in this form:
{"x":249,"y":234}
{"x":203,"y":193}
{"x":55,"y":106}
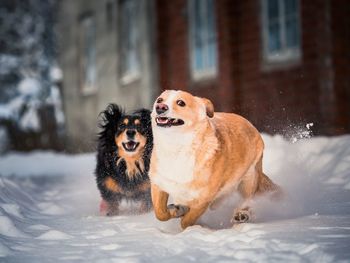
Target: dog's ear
{"x":145,"y":115}
{"x":111,"y":115}
{"x":209,"y":107}
{"x":143,"y":112}
{"x":108,"y":122}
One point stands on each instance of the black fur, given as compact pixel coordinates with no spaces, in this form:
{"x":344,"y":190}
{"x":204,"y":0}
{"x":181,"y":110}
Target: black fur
{"x":112,"y":125}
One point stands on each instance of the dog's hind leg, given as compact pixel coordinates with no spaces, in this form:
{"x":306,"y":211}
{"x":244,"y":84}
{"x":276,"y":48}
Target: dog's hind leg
{"x":242,"y":215}
{"x":218,"y":202}
{"x":247,"y":188}
{"x":254,"y":182}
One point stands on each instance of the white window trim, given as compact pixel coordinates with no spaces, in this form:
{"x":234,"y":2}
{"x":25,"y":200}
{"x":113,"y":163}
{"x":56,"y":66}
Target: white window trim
{"x":204,"y":74}
{"x":196,"y":74}
{"x":129,"y":77}
{"x":89,"y":91}
{"x":286,"y":54}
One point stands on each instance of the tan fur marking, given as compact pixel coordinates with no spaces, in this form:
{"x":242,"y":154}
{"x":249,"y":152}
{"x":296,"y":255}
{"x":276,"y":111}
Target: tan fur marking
{"x":144,"y":187}
{"x":112,"y":185}
{"x":137,"y":122}
{"x":132,"y":160}
{"x":126,"y":121}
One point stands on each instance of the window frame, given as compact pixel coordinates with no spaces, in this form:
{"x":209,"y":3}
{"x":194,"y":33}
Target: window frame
{"x":87,"y":22}
{"x":285,"y":54}
{"x":209,"y":72}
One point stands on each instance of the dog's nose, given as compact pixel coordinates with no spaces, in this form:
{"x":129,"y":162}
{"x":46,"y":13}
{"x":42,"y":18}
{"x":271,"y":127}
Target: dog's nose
{"x":130,"y":133}
{"x":161,"y":108}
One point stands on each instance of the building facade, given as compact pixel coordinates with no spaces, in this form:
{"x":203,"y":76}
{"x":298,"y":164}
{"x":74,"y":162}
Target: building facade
{"x":107,"y":54}
{"x":280,"y":63}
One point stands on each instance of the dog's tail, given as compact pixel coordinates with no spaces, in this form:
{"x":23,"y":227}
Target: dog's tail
{"x":266,"y":185}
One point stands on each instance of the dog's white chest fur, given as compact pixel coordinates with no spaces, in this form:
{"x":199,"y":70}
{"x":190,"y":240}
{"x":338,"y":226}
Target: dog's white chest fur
{"x":175,"y":166}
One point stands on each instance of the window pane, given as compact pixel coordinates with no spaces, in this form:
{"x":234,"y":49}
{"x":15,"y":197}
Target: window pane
{"x":129,"y":37}
{"x":211,"y":47}
{"x":281,"y":29}
{"x":203,"y":36}
{"x":290,"y":7}
{"x":212,"y":55}
{"x":292,"y":34}
{"x":198,"y":30}
{"x":274,"y":43}
{"x":272,"y":9}
{"x":210,"y":15}
{"x":88,"y":54}
{"x":199,"y":58}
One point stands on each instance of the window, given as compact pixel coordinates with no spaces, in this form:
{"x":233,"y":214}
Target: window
{"x":87,"y":56}
{"x":281,"y":36}
{"x":129,"y":40}
{"x":203,"y":46}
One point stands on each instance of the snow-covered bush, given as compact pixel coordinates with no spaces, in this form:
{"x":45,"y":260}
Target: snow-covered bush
{"x":29,"y":76}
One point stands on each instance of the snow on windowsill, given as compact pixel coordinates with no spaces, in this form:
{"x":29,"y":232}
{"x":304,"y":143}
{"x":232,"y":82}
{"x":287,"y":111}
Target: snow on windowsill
{"x":203,"y":75}
{"x":129,"y":78}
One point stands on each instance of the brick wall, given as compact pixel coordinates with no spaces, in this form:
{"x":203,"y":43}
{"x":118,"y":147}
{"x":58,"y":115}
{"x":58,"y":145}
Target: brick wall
{"x":172,"y":44}
{"x":174,"y":57}
{"x":340,"y":27}
{"x":275,"y":98}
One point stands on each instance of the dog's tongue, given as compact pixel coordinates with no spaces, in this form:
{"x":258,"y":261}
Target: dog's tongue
{"x":163,"y":120}
{"x":130,"y":145}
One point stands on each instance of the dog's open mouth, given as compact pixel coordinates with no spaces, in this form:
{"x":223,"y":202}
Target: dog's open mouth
{"x":168,"y":122}
{"x":130,"y":146}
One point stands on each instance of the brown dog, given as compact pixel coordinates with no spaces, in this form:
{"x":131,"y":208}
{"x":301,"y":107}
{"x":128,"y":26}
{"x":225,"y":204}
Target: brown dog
{"x":199,"y":157}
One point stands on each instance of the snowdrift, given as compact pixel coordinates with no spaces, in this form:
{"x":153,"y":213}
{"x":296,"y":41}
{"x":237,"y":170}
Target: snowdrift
{"x":49,"y":213}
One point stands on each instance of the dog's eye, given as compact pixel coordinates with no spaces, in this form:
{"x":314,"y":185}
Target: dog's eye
{"x":181,"y":103}
{"x":159,"y":100}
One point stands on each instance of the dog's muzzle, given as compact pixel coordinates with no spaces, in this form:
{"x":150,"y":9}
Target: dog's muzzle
{"x":168,"y":122}
{"x":130,"y":146}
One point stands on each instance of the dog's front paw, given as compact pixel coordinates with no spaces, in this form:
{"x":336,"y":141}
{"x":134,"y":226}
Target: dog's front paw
{"x":103,"y":208}
{"x":108,"y":208}
{"x":177,"y":210}
{"x":241,"y":216}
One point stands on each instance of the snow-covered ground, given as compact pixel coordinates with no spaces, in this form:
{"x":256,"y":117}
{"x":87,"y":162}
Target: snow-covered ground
{"x":49,"y":213}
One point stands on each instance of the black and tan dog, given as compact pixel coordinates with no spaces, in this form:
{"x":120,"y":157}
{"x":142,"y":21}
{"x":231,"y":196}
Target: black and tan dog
{"x":123,"y":159}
